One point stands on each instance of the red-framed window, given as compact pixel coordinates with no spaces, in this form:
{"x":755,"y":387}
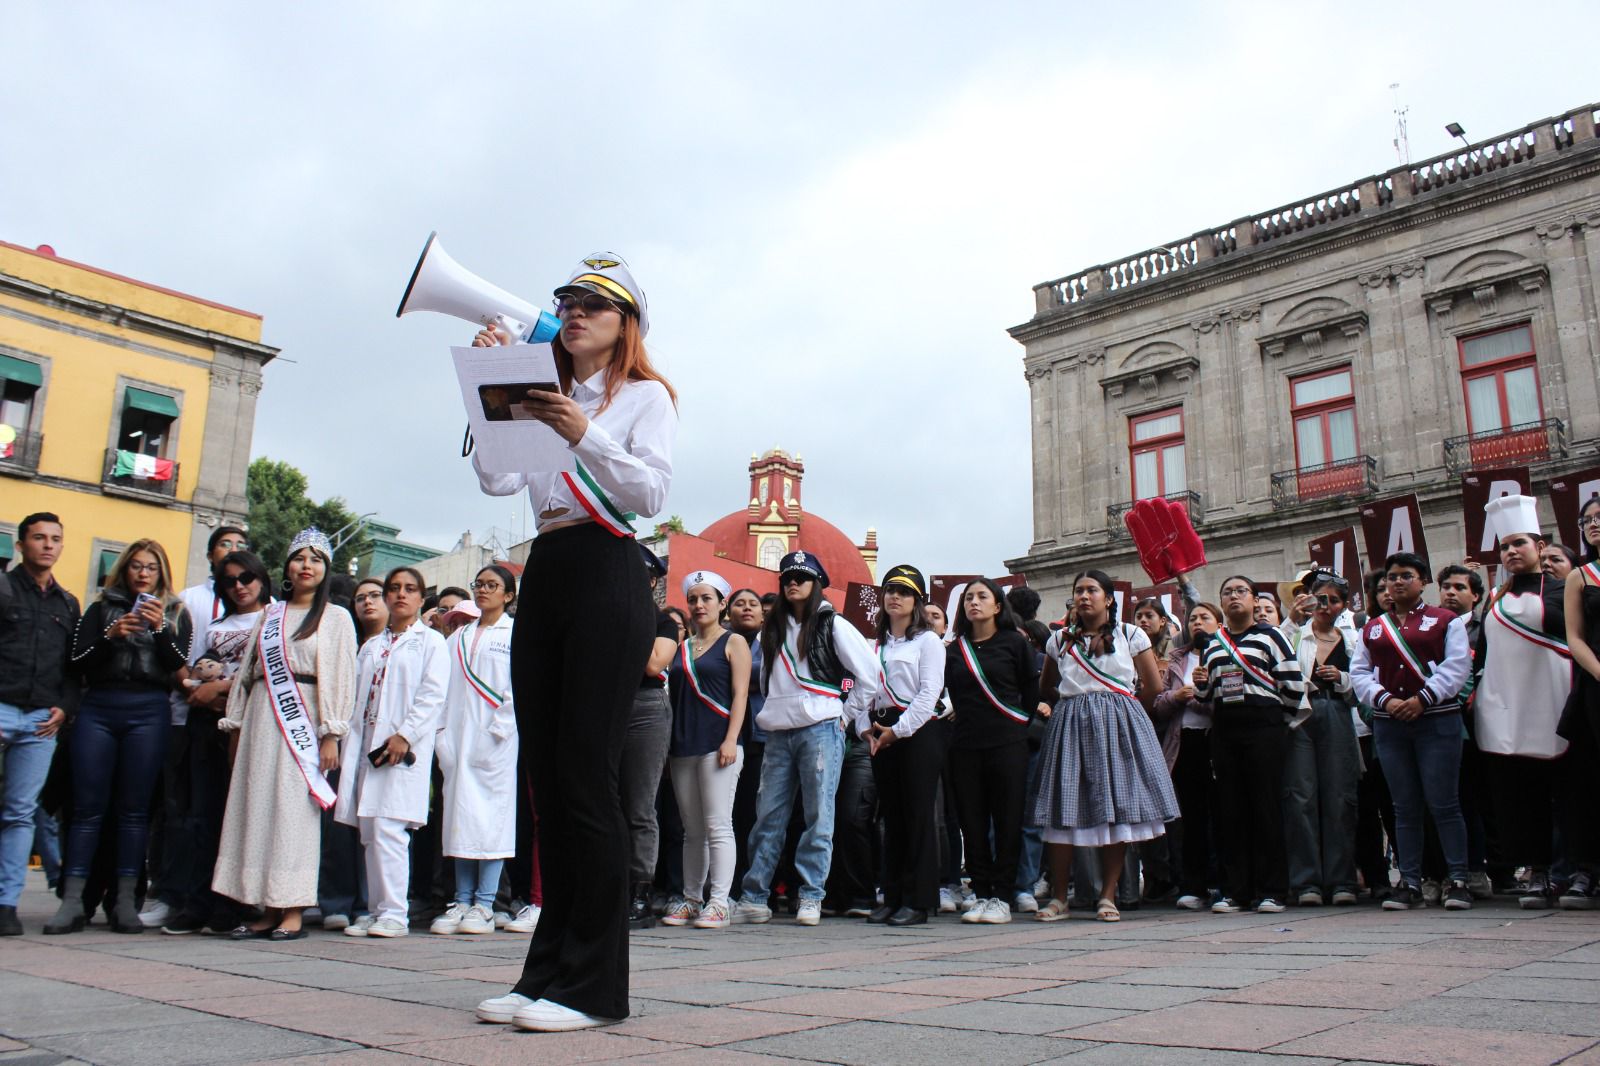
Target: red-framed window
{"x":1500,"y":376}
{"x":1323,"y":407}
{"x":1156,"y":454}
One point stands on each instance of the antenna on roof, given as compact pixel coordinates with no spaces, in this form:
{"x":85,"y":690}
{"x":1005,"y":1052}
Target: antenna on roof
{"x":1402,"y":143}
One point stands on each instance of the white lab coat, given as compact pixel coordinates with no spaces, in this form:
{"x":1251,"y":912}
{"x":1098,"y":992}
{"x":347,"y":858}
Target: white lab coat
{"x":478,"y":747}
{"x":409,"y":703}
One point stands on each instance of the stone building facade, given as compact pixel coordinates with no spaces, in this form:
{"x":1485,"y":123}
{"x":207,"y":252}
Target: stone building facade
{"x":1379,"y":339}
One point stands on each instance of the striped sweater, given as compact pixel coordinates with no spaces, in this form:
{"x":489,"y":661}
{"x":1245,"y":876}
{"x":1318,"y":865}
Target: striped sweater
{"x":1266,"y":664}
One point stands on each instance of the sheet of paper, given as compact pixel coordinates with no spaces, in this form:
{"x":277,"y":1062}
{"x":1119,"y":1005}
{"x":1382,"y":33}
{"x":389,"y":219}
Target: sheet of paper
{"x":493,"y":382}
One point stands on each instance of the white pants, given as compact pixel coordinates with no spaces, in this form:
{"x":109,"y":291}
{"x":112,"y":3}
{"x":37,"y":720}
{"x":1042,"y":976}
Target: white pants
{"x":387,"y":848}
{"x":705,"y":804}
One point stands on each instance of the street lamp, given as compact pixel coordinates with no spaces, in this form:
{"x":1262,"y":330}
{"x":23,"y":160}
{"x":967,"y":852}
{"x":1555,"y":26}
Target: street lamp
{"x":1454,"y":129}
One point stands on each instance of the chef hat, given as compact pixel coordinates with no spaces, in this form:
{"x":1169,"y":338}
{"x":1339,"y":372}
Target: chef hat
{"x":1509,"y":515}
{"x":706,"y":577}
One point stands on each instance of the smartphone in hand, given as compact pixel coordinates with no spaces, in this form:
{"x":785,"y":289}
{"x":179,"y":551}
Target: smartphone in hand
{"x":138,"y":602}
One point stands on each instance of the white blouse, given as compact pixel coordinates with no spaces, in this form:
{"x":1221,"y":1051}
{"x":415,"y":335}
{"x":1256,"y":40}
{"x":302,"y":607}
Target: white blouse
{"x":627,"y":449}
{"x":1126,"y":642}
{"x":914,"y":672}
{"x":796,"y":702}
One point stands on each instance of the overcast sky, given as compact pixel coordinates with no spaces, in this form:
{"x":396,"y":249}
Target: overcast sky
{"x":835,"y":209}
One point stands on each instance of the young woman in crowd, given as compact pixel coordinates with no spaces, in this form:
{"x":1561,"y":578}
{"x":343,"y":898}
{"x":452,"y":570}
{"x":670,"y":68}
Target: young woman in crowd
{"x":242,"y":585}
{"x":744,"y":618}
{"x":127,"y":647}
{"x":1324,"y":765}
{"x":371,"y":613}
{"x":1374,"y":807}
{"x":477,"y":748}
{"x":709,"y":683}
{"x":994,"y":688}
{"x":288,"y":707}
{"x":682,"y":620}
{"x":807,"y":656}
{"x":385,"y":767}
{"x":1161,"y":861}
{"x":1267,"y":610}
{"x":1252,"y":680}
{"x":1580,"y":723}
{"x":1103,"y":780}
{"x":579,"y":651}
{"x":1190,"y":719}
{"x":908,"y":748}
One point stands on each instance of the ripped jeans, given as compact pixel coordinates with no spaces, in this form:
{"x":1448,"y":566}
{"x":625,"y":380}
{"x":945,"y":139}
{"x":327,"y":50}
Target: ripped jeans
{"x":806,"y":759}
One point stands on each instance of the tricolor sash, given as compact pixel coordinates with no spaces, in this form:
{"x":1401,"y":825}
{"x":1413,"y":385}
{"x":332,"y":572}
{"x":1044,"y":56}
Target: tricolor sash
{"x":807,"y":684}
{"x":1527,"y":632}
{"x":1095,"y":672}
{"x":687,"y":652}
{"x":887,"y":689}
{"x":969,"y":655}
{"x":597,"y":503}
{"x":1233,"y":653}
{"x":289,"y":705}
{"x":474,"y":682}
{"x":1592,"y":570}
{"x":1407,"y":656}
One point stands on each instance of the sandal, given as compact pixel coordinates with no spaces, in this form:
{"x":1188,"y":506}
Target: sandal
{"x":1106,"y":911}
{"x":1054,"y":911}
{"x":279,"y":936}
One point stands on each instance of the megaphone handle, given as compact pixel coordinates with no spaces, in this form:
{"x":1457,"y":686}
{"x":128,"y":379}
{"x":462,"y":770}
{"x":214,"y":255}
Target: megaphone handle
{"x":516,"y":330}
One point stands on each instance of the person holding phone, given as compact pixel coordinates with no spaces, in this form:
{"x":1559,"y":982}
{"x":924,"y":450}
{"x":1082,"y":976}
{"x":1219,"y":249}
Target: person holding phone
{"x":1191,"y":769}
{"x":385,"y":775}
{"x":128,"y":646}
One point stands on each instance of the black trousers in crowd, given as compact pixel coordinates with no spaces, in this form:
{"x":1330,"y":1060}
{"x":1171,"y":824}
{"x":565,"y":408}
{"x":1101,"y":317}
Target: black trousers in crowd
{"x":744,"y":806}
{"x":584,"y":627}
{"x":341,"y":872}
{"x":196,"y":800}
{"x":990,"y":785}
{"x":852,"y":876}
{"x":1191,"y":780}
{"x":644,"y":757}
{"x":1522,"y":792}
{"x":1248,"y":746}
{"x":1374,"y":820}
{"x":907,"y":773}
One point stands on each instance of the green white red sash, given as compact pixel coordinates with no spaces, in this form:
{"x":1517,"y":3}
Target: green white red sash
{"x":1261,"y":678}
{"x":1593,"y":570}
{"x":289,"y":704}
{"x":970,"y":656}
{"x":687,"y":652}
{"x":597,"y":503}
{"x":807,"y":684}
{"x":1407,"y":656}
{"x":1527,"y":632}
{"x":1106,"y":679}
{"x":474,"y":682}
{"x":887,"y":689}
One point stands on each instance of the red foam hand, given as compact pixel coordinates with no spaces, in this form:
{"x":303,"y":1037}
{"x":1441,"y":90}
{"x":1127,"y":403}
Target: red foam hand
{"x":1187,"y":551}
{"x":1152,"y":532}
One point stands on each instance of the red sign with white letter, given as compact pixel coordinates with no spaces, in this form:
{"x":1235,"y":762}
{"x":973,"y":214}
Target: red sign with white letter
{"x":1568,"y":494}
{"x":1338,"y":552}
{"x":1477,"y":489}
{"x":1393,"y":525}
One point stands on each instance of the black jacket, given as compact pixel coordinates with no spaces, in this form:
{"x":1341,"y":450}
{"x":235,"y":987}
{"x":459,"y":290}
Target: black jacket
{"x":144,"y":660}
{"x":35,"y":643}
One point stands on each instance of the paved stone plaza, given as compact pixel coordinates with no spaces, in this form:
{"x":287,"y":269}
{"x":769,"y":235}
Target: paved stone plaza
{"x":1496,"y":986}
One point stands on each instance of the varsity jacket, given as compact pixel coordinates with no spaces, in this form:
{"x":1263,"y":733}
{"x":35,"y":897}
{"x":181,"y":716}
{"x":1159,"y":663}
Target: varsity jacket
{"x":1425,"y":654}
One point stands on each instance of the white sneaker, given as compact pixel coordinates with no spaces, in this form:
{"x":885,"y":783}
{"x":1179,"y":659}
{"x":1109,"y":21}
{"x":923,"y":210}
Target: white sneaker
{"x":747,"y":913}
{"x":1190,"y":903}
{"x":965,"y":899}
{"x":359,"y":927}
{"x":682,"y":912}
{"x":1041,"y":889}
{"x":1026,"y":903}
{"x":448,"y":922}
{"x":713,"y":916}
{"x":477,"y":921}
{"x":526,"y":921}
{"x":543,"y":1016}
{"x":388,"y":927}
{"x":333,"y":923}
{"x":1269,"y":906}
{"x":155,"y":914}
{"x":947,"y":900}
{"x":810,"y":912}
{"x":502,"y":919}
{"x":975,"y":913}
{"x":995,"y":912}
{"x":501,"y":1009}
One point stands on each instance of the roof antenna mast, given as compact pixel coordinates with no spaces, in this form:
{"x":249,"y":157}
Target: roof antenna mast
{"x":1402,"y":143}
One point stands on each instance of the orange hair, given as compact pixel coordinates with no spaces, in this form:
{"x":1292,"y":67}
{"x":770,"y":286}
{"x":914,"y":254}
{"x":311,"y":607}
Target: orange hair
{"x":629,"y":362}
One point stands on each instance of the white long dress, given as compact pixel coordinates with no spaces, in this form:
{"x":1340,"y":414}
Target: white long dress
{"x":272,"y":829}
{"x":478,"y":745}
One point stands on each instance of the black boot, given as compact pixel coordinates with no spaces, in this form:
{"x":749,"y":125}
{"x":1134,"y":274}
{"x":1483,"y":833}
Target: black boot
{"x":69,"y":917}
{"x":125,"y":918}
{"x":639,"y":915}
{"x":9,"y":926}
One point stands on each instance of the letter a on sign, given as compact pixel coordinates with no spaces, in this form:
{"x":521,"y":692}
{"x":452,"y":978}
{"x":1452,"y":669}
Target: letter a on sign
{"x":1477,"y":489}
{"x":1393,"y":525}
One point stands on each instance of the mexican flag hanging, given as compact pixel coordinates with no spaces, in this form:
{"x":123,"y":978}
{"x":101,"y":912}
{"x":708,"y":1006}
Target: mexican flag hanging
{"x":8,"y":438}
{"x":145,"y":467}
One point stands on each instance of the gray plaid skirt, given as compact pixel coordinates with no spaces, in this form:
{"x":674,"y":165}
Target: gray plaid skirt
{"x":1101,"y":765}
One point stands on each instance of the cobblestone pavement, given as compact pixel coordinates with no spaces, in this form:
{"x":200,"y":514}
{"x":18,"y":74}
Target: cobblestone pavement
{"x":1494,"y":985}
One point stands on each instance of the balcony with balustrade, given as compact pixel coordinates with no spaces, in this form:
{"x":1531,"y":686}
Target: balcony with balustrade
{"x":1342,"y":479}
{"x":1519,"y":445}
{"x":23,"y":460}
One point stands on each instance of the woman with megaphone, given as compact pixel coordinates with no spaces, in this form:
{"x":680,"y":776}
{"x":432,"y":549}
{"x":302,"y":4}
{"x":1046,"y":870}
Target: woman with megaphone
{"x":583,"y":633}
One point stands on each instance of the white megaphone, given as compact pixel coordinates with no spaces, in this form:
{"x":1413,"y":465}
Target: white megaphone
{"x":441,"y":284}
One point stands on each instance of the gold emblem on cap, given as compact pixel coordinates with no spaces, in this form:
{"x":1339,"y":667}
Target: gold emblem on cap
{"x":600,"y":264}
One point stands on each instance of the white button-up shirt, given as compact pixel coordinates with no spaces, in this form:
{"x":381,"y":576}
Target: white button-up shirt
{"x":627,"y":449}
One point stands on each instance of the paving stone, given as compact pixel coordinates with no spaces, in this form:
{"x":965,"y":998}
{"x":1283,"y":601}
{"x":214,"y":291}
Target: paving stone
{"x":1509,"y":1014}
{"x":505,"y":1046}
{"x":995,"y":1017}
{"x":964,"y":987}
{"x":1199,"y":976}
{"x":1114,"y":996}
{"x":709,"y":1026}
{"x":1575,"y":971}
{"x":719,"y":993}
{"x":196,"y":1044}
{"x":455,"y":994}
{"x":1148,"y":1055}
{"x":1425,"y":1045}
{"x":1228,"y":1026}
{"x":852,"y":1003}
{"x":66,"y":1016}
{"x":1534,"y":989}
{"x":867,"y":1043}
{"x":1306,"y":992}
{"x":363,"y":1057}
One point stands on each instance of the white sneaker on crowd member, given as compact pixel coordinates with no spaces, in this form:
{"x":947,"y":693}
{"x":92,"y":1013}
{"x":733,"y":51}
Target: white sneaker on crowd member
{"x":712,"y":916}
{"x":682,"y":912}
{"x":1431,"y":893}
{"x":810,"y":912}
{"x":359,"y":927}
{"x":502,"y":919}
{"x":858,"y":910}
{"x":974,"y":913}
{"x":1041,"y":890}
{"x":1479,"y":885}
{"x":1190,"y":903}
{"x":947,"y":900}
{"x":1026,"y":903}
{"x":543,"y":1016}
{"x":1226,"y":906}
{"x":1309,"y":898}
{"x":155,"y":914}
{"x":965,"y":898}
{"x":333,"y":923}
{"x":477,"y":921}
{"x":1344,"y":898}
{"x":450,"y":921}
{"x":997,"y":912}
{"x":526,"y":921}
{"x":746,"y":913}
{"x":1269,"y":906}
{"x":388,"y":927}
{"x":501,"y":1009}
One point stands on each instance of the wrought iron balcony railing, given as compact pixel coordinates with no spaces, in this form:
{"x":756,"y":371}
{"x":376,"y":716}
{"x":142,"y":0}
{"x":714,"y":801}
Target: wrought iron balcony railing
{"x":1114,"y":512}
{"x":1529,"y":442}
{"x":24,"y":458}
{"x":158,"y":486}
{"x":1356,"y":476}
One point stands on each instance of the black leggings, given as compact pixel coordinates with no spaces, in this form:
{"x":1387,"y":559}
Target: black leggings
{"x":990,"y":786}
{"x":1191,"y":779}
{"x":907,"y":773}
{"x":584,"y":627}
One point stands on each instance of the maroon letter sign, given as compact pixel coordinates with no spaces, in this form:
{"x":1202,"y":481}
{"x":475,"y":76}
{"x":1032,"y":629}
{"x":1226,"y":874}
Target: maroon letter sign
{"x":1337,"y":552}
{"x":1568,"y":494}
{"x":1393,"y":525}
{"x":1477,"y":489}
{"x":861,"y":608}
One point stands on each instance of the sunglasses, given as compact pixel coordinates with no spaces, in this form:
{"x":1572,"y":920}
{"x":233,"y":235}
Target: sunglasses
{"x":795,"y":577}
{"x":227,"y":581}
{"x":592,"y":303}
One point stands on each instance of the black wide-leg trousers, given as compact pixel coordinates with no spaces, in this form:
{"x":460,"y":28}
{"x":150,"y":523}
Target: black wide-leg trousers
{"x":907,"y":773}
{"x":584,"y":627}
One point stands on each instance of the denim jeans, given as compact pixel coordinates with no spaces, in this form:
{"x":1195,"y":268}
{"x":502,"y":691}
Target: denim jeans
{"x":119,"y":745}
{"x":1422,"y":764}
{"x":26,"y":759}
{"x":809,"y":758}
{"x":1030,"y":867}
{"x":1319,"y":799}
{"x":477,"y":881}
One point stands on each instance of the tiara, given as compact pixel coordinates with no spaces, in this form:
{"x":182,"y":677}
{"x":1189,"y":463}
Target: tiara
{"x":312,"y":538}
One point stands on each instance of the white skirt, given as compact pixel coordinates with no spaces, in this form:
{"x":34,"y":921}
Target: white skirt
{"x":1098,"y":836}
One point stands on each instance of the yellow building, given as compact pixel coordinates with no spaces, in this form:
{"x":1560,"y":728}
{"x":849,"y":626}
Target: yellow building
{"x":125,"y":408}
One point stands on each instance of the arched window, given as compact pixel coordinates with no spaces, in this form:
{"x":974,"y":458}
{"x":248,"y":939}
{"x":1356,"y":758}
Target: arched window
{"x":771,"y":553}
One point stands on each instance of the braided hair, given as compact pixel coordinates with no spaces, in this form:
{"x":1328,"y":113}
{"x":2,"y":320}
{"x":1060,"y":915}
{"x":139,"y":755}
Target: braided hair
{"x":1102,"y":640}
